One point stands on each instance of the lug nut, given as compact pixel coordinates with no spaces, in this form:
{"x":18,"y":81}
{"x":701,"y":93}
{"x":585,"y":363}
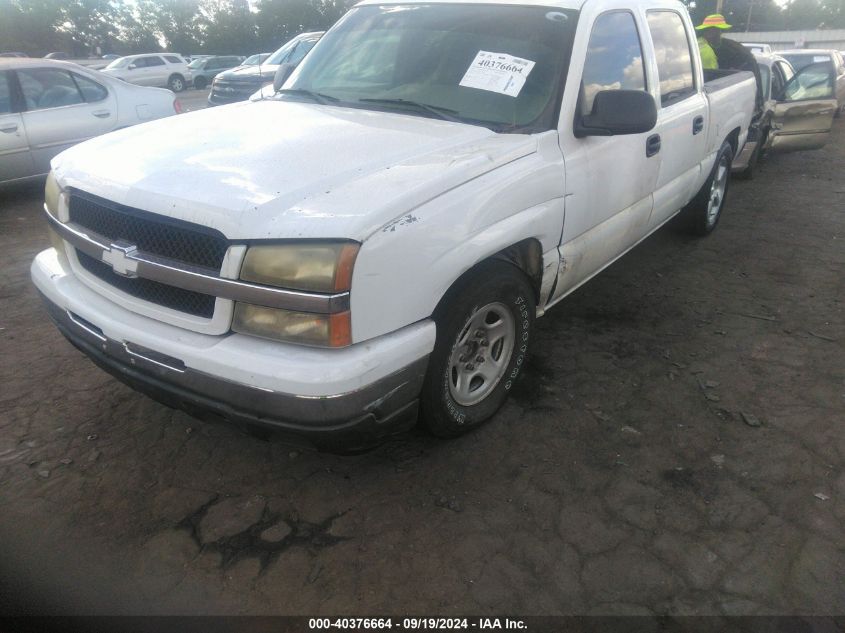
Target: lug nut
{"x":470,"y":367}
{"x":479,"y":333}
{"x":463,"y":359}
{"x":485,"y":343}
{"x":479,"y":359}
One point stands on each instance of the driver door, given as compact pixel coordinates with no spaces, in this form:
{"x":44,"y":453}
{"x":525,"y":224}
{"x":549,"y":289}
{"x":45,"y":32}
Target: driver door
{"x":803,"y":114}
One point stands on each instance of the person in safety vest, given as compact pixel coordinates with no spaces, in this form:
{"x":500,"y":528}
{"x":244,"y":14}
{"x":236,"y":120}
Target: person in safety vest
{"x":719,"y":52}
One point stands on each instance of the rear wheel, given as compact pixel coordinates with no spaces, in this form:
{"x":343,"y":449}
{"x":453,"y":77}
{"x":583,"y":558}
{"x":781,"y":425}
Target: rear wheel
{"x":200,"y":83}
{"x":483,"y":330}
{"x":176,"y":83}
{"x":703,"y":212}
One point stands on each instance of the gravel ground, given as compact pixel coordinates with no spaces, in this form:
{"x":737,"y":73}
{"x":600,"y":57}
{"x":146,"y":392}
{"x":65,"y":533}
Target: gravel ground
{"x":676,"y":446}
{"x":192,"y":100}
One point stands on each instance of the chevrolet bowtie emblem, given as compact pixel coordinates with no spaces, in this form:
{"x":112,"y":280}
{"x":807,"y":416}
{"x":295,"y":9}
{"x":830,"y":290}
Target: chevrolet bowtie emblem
{"x":119,"y":257}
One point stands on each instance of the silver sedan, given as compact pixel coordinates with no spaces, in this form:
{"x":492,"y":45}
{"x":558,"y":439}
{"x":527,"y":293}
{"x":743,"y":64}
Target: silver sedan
{"x":46,"y":106}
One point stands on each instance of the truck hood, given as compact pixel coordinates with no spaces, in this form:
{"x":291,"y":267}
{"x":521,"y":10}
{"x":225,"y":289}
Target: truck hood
{"x":252,"y":74}
{"x":274,"y":169}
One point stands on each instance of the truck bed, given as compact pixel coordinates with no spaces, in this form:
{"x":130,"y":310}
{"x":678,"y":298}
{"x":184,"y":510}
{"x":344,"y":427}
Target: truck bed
{"x":732,"y":96}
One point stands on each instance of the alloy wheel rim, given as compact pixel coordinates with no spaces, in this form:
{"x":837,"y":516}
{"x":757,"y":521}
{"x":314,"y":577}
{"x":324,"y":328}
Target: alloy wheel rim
{"x":481,"y":354}
{"x":717,"y":191}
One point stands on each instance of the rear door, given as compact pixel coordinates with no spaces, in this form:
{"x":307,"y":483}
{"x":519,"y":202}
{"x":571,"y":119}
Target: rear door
{"x":15,"y":157}
{"x":682,"y":117}
{"x":62,"y":108}
{"x":156,"y":72}
{"x":804,"y":111}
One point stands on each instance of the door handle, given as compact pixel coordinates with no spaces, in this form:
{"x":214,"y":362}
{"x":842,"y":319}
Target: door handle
{"x":652,"y":145}
{"x":8,"y":129}
{"x":102,"y":114}
{"x":697,"y":125}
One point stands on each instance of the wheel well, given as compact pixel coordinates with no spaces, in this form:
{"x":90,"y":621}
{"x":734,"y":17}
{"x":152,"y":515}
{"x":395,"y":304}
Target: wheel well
{"x":526,"y":255}
{"x":733,"y":139}
{"x":175,"y":75}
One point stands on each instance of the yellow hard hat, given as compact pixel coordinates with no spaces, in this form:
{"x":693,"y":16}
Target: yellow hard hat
{"x":713,"y":21}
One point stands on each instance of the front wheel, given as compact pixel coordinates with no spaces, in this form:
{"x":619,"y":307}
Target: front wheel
{"x":200,"y":83}
{"x":483,"y":330}
{"x":176,"y":83}
{"x":703,"y":212}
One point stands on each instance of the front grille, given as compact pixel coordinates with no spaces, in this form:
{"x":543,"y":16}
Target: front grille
{"x":187,"y":301}
{"x":155,"y":234}
{"x":232,"y":91}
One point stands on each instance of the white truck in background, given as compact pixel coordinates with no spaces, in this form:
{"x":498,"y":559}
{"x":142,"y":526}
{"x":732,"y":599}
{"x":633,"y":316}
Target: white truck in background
{"x":378,"y":236}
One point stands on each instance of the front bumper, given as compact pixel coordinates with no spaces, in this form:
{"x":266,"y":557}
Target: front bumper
{"x":165,"y":369}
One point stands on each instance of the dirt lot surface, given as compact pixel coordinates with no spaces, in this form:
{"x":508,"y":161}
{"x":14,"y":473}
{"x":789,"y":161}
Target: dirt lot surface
{"x":675,"y":447}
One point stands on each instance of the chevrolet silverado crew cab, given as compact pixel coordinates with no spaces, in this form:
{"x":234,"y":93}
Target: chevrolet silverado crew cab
{"x":377,"y":237}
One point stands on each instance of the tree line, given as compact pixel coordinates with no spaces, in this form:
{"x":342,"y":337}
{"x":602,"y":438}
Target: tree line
{"x":97,"y":27}
{"x":768,"y":15}
{"x":88,"y":27}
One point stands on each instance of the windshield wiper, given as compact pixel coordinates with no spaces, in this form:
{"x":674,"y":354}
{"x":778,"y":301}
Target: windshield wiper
{"x":316,"y":96}
{"x":440,"y":112}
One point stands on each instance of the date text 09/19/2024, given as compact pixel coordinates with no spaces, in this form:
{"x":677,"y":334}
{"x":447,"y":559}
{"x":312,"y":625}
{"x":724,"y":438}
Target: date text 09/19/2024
{"x":416,"y":623}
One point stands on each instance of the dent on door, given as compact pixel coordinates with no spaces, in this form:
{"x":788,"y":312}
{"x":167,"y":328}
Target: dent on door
{"x":804,"y":112}
{"x":804,"y":125}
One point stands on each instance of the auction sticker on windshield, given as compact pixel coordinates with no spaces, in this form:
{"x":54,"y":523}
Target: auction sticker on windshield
{"x":497,"y":72}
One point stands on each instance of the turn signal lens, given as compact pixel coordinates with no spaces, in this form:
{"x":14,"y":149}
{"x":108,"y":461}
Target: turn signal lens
{"x":304,"y":328}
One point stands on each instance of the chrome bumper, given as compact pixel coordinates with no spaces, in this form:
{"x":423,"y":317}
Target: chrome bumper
{"x":345,"y":422}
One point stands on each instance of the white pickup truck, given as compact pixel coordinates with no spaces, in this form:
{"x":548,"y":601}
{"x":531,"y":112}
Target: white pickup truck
{"x":377,"y":238}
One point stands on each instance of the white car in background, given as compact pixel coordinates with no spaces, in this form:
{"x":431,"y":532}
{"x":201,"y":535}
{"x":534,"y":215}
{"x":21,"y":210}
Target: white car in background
{"x":164,"y":70}
{"x":46,"y":106}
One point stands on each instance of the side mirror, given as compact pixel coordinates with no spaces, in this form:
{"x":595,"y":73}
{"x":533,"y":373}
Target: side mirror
{"x":618,"y":112}
{"x":133,"y":66}
{"x":284,"y":71}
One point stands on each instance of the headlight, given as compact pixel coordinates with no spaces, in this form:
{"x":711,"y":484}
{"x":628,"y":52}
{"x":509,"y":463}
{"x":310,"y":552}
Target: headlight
{"x":52,"y":191}
{"x":311,"y":267}
{"x":319,"y":267}
{"x":321,"y":330}
{"x":52,"y":199}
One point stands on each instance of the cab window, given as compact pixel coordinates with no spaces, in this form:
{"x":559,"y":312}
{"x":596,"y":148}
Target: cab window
{"x":778,"y":80}
{"x":5,"y":94}
{"x":91,"y":90}
{"x":45,"y":88}
{"x":815,"y":81}
{"x":300,"y":51}
{"x":614,"y":58}
{"x":766,"y":77}
{"x":674,"y":60}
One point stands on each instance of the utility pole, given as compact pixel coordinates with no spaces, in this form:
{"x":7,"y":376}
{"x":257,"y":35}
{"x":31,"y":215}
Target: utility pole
{"x":719,"y":5}
{"x":748,"y":19}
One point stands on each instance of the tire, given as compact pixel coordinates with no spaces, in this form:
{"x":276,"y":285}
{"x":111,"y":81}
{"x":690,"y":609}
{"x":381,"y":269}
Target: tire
{"x":200,"y":83}
{"x":702,"y":214}
{"x":488,"y":315}
{"x":176,"y":83}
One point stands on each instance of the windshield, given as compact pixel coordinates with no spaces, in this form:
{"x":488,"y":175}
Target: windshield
{"x":121,"y":62}
{"x":800,"y":60}
{"x":498,"y":66}
{"x":197,"y":63}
